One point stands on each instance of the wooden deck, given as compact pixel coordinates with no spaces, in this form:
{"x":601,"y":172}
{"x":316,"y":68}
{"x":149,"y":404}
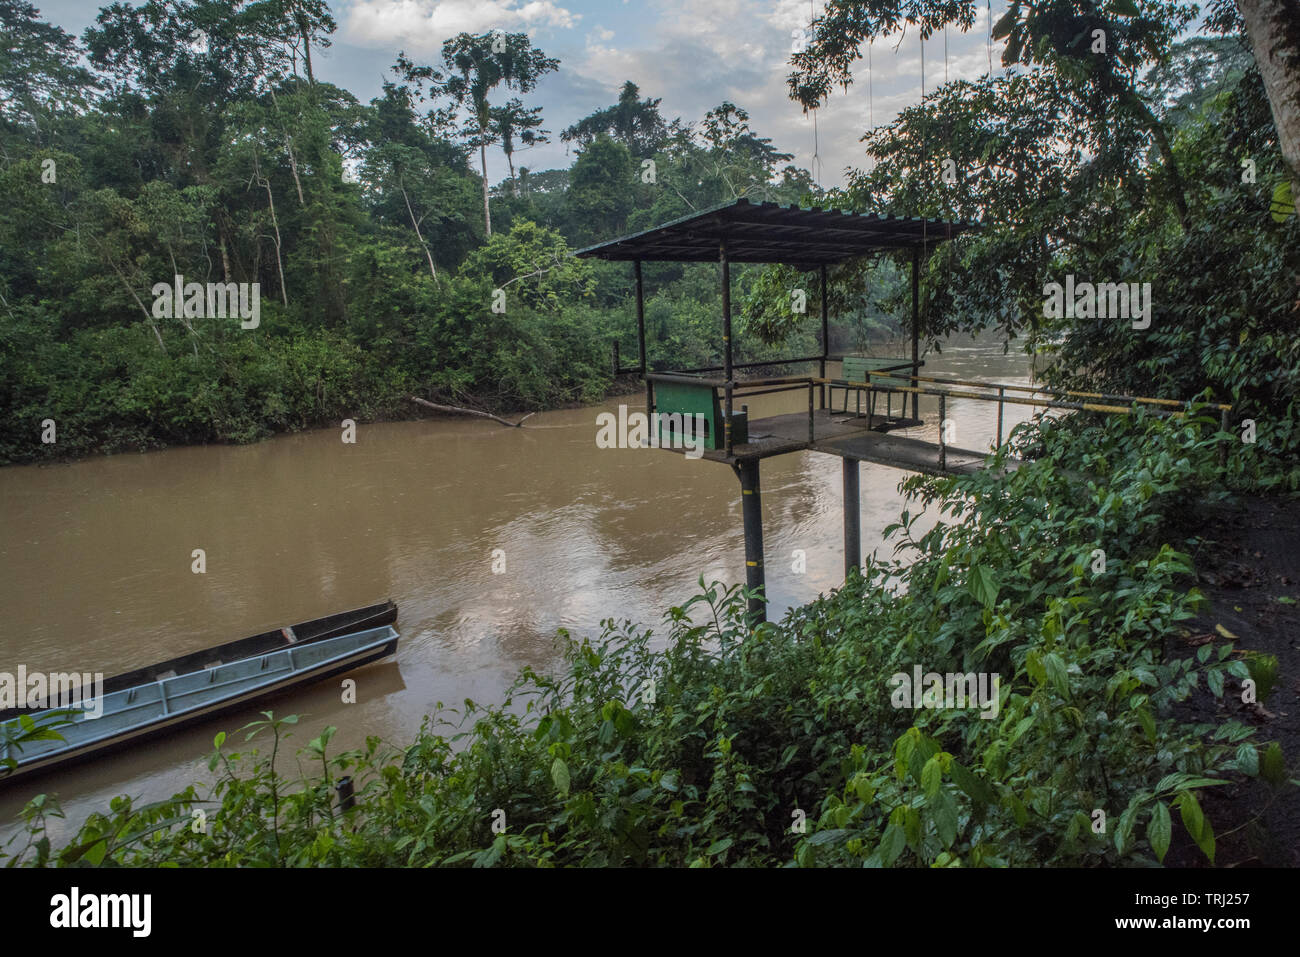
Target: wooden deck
{"x":850,"y":437}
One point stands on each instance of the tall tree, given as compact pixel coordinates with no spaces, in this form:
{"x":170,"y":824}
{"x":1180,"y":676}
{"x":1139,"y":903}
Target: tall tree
{"x":516,"y":123}
{"x":634,"y":122}
{"x":39,"y":73}
{"x":1274,"y":30}
{"x":474,"y":66}
{"x":1104,"y":43}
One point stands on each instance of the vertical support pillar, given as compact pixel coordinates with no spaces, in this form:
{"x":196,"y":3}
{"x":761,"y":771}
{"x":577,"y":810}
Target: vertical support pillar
{"x":726,"y":346}
{"x":916,"y":328}
{"x":826,"y":337}
{"x":640,"y":336}
{"x":752,"y":511}
{"x":852,"y":518}
{"x":1002,"y":394}
{"x":943,"y":448}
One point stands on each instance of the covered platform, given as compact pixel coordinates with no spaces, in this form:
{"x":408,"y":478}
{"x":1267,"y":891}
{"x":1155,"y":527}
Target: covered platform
{"x":810,"y":240}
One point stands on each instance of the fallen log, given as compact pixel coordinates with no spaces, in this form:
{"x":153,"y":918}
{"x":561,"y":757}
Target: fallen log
{"x":459,"y":411}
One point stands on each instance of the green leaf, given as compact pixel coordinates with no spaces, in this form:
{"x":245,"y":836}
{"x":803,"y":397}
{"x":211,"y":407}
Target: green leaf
{"x":717,"y":847}
{"x":1197,"y":826}
{"x":96,"y":853}
{"x":891,"y":844}
{"x":1159,"y":830}
{"x":835,"y":835}
{"x":1283,"y":206}
{"x":983,"y":585}
{"x":1008,"y":20}
{"x":945,"y":819}
{"x":975,"y":787}
{"x":560,"y":775}
{"x":932,"y":776}
{"x":1272,"y":765}
{"x":1124,"y":8}
{"x":1056,"y":674}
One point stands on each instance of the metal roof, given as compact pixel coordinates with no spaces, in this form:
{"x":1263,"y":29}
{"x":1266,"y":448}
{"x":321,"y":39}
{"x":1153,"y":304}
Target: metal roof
{"x":770,"y":233}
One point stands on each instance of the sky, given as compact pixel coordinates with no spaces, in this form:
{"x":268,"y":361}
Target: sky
{"x":693,"y":54}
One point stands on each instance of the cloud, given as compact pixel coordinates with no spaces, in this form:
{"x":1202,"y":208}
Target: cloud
{"x":421,"y":26}
{"x":694,"y":57}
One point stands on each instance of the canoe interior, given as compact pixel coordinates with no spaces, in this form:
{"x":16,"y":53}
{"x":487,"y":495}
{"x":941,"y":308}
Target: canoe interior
{"x":167,"y":700}
{"x":331,"y":626}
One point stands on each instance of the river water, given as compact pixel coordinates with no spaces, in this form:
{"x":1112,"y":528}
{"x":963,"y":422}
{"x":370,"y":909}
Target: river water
{"x":96,"y":556}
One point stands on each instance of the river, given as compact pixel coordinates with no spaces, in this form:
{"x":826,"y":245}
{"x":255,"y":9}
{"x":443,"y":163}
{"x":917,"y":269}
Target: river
{"x":96,"y":556}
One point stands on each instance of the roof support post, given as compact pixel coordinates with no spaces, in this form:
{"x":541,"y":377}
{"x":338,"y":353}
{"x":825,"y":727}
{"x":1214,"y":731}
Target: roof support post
{"x":916,"y":324}
{"x":852,"y":518}
{"x":751,"y":510}
{"x":640,"y":335}
{"x":826,"y":338}
{"x":726,"y":339}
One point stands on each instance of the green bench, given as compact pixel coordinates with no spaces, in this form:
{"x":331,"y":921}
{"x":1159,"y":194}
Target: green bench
{"x":687,"y":400}
{"x":855,"y":369}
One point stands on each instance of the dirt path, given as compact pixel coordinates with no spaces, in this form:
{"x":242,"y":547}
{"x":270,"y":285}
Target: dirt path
{"x":1248,"y":562}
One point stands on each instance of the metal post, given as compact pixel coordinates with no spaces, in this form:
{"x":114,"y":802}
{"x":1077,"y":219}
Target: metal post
{"x":810,"y":413}
{"x":1002,"y":394}
{"x":826,"y":337}
{"x":916,"y":327}
{"x":852,"y":518}
{"x":726,"y":340}
{"x":752,"y":512}
{"x":347,"y":797}
{"x":640,"y":336}
{"x":943,"y":449}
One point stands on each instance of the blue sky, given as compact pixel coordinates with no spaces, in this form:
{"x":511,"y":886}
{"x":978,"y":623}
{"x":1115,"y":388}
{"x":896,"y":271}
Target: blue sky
{"x":692,"y":54}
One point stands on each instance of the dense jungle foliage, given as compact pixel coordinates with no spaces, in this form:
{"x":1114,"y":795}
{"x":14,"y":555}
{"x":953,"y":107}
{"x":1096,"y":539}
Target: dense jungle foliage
{"x":712,"y":743}
{"x":709,"y":742}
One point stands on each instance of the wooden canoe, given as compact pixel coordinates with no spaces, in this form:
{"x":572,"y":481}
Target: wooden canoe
{"x":153,"y":700}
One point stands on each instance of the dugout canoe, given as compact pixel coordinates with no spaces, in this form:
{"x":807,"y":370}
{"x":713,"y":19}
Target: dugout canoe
{"x":153,"y":700}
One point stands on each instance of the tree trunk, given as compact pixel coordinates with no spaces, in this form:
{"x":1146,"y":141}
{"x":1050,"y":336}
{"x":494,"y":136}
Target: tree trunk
{"x":306,"y":46}
{"x":416,"y":224}
{"x":1273,"y":27}
{"x":266,"y":184}
{"x":482,"y":155}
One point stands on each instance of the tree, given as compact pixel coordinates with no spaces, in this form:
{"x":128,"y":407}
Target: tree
{"x":475,"y":66}
{"x":39,"y":71}
{"x":1102,"y":43}
{"x":600,"y":190}
{"x":1274,"y":30}
{"x":515,"y":121}
{"x":634,"y":122}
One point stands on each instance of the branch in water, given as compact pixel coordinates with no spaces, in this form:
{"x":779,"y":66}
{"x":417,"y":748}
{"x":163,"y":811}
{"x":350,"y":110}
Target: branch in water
{"x":459,"y":411}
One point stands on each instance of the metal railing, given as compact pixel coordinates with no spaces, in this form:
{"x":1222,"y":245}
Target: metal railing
{"x":757,"y":387}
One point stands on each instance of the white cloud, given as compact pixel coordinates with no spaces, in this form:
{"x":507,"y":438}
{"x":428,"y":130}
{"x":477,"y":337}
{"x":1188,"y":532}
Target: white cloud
{"x":696,"y":56}
{"x":421,"y":26}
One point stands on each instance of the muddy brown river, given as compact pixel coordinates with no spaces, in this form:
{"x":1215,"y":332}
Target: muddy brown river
{"x":96,"y":556}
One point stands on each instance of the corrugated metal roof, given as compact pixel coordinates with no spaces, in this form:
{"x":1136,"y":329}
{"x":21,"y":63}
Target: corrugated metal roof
{"x":771,"y":233}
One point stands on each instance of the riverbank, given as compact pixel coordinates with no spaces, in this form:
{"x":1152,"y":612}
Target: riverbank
{"x":710,"y":745}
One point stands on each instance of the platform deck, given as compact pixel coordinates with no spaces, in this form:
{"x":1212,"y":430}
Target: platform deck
{"x":849,"y":436}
